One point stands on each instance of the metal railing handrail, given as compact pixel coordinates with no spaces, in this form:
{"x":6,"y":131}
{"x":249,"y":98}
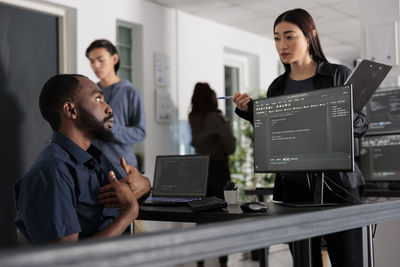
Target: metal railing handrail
{"x":185,"y":245}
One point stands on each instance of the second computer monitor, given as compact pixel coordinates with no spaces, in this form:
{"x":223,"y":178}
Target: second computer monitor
{"x":311,"y":131}
{"x":379,"y":158}
{"x":383,"y":112}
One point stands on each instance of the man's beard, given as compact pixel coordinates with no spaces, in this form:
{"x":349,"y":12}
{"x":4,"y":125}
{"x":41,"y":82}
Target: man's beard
{"x":94,"y":126}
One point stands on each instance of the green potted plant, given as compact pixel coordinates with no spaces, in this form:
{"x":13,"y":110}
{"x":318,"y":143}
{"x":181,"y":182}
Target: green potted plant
{"x":242,"y":161}
{"x":230,"y":192}
{"x":230,"y":185}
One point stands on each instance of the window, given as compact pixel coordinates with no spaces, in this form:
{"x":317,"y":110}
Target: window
{"x":232,"y":86}
{"x":130,"y":48}
{"x":236,"y":70}
{"x":124,"y":45}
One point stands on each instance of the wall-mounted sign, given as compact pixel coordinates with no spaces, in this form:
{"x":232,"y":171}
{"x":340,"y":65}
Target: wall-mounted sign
{"x":161,"y":70}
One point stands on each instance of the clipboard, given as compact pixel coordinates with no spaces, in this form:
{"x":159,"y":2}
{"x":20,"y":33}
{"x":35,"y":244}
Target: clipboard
{"x":366,"y":78}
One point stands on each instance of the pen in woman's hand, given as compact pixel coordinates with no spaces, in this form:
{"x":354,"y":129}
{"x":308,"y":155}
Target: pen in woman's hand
{"x":225,"y":97}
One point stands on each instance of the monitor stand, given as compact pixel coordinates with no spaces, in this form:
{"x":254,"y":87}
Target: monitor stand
{"x":318,"y":198}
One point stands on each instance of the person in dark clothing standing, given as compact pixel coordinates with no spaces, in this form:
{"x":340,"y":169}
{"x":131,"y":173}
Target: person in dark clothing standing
{"x":212,"y":135}
{"x":307,"y":69}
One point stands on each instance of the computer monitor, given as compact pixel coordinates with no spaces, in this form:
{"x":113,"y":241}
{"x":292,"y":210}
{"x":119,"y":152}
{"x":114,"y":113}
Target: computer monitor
{"x":379,"y":158}
{"x":311,"y":131}
{"x":383,"y":112}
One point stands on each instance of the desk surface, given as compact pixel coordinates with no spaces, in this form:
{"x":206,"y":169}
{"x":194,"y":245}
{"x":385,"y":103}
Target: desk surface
{"x":233,"y":212}
{"x":367,"y":192}
{"x":380,"y":193}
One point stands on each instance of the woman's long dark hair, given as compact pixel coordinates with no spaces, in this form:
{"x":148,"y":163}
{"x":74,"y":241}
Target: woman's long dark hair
{"x":305,"y":22}
{"x":204,"y":99}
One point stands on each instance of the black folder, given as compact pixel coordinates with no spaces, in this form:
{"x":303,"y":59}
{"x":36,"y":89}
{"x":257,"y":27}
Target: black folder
{"x":366,"y":78}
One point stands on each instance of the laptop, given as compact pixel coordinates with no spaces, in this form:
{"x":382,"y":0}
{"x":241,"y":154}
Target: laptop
{"x":366,"y":78}
{"x":179,"y":180}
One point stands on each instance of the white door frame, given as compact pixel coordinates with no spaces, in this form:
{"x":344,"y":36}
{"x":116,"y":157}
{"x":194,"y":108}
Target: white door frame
{"x":67,"y":30}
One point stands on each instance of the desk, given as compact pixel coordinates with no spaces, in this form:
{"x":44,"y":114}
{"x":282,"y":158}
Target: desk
{"x":380,"y":193}
{"x":262,"y":192}
{"x":184,"y":214}
{"x":233,"y":212}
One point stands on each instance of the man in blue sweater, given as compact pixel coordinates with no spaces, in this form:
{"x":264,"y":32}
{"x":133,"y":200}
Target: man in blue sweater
{"x":125,"y":100}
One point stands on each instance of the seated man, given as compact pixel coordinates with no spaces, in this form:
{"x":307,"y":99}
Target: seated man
{"x":65,"y":196}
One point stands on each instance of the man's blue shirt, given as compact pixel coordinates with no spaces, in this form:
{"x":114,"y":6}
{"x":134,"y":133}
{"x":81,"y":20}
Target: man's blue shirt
{"x":59,"y":195}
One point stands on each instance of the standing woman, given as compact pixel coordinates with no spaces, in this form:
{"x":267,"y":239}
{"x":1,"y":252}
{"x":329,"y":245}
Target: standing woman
{"x":211,"y":135}
{"x":307,"y":69}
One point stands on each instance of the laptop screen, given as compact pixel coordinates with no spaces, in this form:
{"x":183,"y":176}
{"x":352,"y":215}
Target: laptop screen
{"x":181,"y":176}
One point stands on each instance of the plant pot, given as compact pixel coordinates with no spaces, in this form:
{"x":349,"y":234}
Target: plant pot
{"x":230,"y":196}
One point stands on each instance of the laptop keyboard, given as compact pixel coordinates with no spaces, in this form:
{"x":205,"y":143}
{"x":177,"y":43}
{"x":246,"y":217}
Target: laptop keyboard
{"x":208,"y":203}
{"x":172,"y":199}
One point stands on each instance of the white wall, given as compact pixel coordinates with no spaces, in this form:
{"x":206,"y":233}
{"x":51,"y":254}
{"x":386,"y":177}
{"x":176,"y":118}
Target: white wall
{"x":97,"y":19}
{"x":201,"y":45}
{"x":195,"y":48}
{"x":374,"y":12}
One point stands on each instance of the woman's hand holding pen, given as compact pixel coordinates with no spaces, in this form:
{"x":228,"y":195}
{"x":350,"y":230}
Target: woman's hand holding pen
{"x":241,"y":101}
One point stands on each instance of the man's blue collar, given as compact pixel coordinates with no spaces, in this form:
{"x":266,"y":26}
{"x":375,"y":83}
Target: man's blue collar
{"x":71,"y":147}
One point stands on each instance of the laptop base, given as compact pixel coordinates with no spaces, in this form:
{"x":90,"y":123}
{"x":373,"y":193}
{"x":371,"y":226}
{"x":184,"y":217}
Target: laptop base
{"x":165,"y":201}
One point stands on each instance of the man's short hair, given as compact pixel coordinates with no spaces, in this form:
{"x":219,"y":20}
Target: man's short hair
{"x":103,"y":43}
{"x":56,"y":91}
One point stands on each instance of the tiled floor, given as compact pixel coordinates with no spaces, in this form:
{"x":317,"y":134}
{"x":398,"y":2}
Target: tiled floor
{"x":279,"y":256}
